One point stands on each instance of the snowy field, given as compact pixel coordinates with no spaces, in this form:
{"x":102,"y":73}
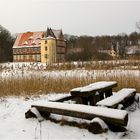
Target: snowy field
{"x":16,"y":70}
{"x":15,"y":126}
{"x":12,"y":108}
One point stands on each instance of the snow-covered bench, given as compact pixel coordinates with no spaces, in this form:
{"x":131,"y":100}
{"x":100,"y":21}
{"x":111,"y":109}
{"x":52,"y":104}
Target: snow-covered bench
{"x":111,"y":116}
{"x":125,"y":96}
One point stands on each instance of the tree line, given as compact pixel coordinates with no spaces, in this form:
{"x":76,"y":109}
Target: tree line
{"x":91,"y":46}
{"x":83,"y":48}
{"x":6,"y":44}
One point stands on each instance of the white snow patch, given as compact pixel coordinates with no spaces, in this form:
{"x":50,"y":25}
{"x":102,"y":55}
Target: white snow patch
{"x":101,"y":122}
{"x":38,"y":115}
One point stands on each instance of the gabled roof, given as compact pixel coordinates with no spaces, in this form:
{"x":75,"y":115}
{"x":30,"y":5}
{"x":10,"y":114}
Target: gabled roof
{"x":34,"y":38}
{"x":54,"y":33}
{"x":28,"y":39}
{"x":57,"y":33}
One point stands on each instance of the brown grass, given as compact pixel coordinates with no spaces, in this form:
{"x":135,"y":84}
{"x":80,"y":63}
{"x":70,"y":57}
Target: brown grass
{"x":37,"y":84}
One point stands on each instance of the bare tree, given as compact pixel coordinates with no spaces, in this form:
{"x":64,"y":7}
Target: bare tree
{"x":138,"y":25}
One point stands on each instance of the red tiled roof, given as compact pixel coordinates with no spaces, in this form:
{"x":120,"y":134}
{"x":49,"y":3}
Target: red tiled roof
{"x":32,"y":38}
{"x":28,"y":39}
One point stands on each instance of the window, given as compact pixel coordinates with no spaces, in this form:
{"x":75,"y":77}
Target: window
{"x":45,"y":41}
{"x":45,"y":55}
{"x":20,"y":57}
{"x":19,"y":51}
{"x":24,"y":58}
{"x":14,"y":51}
{"x":35,"y":57}
{"x":24,"y":50}
{"x":14,"y":57}
{"x":38,"y":57}
{"x":30,"y":57}
{"x":46,"y":48}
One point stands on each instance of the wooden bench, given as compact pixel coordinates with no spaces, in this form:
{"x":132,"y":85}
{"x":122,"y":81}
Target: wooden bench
{"x":94,"y":92}
{"x":111,"y":116}
{"x":125,"y":97}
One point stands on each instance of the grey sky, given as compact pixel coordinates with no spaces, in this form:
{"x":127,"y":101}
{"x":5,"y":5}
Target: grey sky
{"x":77,"y":17}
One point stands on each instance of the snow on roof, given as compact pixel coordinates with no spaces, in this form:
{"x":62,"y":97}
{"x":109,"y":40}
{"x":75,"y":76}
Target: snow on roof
{"x":30,"y":38}
{"x":102,"y":111}
{"x":56,"y":33}
{"x":25,"y":43}
{"x":117,"y":97}
{"x":95,"y":86}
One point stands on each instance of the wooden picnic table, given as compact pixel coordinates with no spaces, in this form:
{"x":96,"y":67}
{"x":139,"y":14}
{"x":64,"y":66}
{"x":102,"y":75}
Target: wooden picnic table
{"x":94,"y":92}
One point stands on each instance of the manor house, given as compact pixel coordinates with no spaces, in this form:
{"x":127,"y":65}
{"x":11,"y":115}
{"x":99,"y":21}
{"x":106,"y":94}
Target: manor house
{"x":46,"y":47}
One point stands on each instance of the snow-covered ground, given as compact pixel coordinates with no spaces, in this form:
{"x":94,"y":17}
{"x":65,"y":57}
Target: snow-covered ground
{"x":13,"y":124}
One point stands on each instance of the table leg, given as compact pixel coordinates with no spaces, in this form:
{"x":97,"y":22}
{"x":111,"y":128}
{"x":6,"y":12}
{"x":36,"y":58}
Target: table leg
{"x":85,"y":100}
{"x":101,"y":95}
{"x":108,"y":93}
{"x":93,"y":99}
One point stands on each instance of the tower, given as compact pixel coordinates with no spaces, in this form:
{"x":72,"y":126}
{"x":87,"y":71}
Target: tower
{"x":48,"y":48}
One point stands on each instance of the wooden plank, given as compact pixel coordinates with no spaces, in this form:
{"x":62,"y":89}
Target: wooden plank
{"x":88,"y":112}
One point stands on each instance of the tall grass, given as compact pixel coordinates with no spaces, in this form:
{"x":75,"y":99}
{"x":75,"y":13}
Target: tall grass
{"x":42,"y":84}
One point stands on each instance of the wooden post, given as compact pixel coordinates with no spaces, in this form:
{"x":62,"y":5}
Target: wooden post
{"x":85,"y":100}
{"x":101,"y":95}
{"x":93,"y":99}
{"x":108,"y":93}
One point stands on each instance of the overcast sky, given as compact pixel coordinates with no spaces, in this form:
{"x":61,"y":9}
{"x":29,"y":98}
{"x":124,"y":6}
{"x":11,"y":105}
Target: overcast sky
{"x":77,"y":17}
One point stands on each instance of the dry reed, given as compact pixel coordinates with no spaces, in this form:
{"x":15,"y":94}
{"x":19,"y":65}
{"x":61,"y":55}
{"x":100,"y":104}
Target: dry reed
{"x":39,"y":84}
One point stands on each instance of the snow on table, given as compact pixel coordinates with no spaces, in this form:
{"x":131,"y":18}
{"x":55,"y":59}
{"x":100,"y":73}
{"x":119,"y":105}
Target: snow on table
{"x":117,"y":97}
{"x":95,"y":86}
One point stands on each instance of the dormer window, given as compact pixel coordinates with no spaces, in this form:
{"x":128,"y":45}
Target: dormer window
{"x":30,"y":38}
{"x":25,"y":43}
{"x":33,"y":43}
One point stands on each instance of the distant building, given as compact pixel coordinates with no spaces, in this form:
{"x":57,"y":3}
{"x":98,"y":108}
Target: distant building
{"x":46,"y":46}
{"x":113,"y":51}
{"x":132,"y":50}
